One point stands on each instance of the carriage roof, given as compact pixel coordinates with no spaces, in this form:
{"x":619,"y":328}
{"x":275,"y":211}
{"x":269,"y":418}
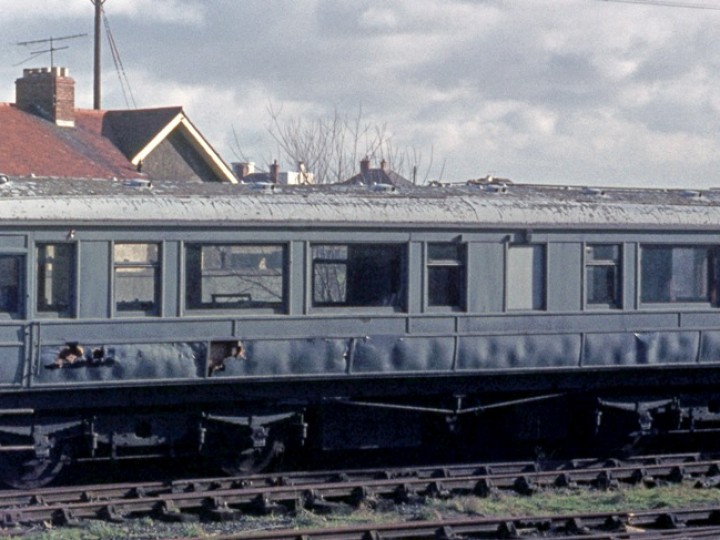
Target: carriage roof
{"x":476,"y":205}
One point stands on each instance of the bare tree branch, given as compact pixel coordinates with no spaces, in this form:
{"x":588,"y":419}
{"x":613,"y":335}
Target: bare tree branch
{"x":332,"y":146}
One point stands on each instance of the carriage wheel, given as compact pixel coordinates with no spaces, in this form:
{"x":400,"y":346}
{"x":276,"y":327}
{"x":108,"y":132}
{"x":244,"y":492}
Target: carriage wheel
{"x":24,"y":470}
{"x":253,"y":460}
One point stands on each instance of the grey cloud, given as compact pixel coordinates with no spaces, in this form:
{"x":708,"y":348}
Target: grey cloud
{"x":472,"y":79}
{"x":673,"y":117}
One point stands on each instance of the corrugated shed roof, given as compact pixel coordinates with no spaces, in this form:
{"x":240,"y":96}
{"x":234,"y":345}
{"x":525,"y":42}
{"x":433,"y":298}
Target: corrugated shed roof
{"x":476,"y":206}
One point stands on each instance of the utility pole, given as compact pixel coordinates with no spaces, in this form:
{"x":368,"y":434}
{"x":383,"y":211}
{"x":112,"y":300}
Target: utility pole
{"x":96,"y":72}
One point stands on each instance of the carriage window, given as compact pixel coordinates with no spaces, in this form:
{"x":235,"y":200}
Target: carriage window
{"x":679,"y":274}
{"x":56,"y":278}
{"x":10,"y":283}
{"x":525,"y":284}
{"x":234,"y":276}
{"x":603,"y":275}
{"x":137,"y":278}
{"x":446,"y":274}
{"x":356,"y":275}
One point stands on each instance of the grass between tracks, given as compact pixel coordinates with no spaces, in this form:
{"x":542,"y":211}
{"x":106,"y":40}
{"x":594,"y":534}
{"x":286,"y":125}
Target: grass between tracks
{"x":502,"y":504}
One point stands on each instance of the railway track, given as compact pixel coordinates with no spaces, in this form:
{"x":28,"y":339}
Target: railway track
{"x":679,"y":524}
{"x":222,"y":499}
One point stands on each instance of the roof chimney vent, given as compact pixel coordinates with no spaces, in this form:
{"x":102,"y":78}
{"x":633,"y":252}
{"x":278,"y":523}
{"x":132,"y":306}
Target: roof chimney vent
{"x":243,"y":169}
{"x":365,"y":165}
{"x":49,"y":93}
{"x":275,"y":172}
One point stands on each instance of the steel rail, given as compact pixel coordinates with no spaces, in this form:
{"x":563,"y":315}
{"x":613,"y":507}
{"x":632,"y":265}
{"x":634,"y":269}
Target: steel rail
{"x":649,"y":525}
{"x":502,"y":470}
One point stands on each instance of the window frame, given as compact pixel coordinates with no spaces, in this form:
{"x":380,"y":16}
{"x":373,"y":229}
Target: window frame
{"x":400,"y":302}
{"x":543,"y":280}
{"x":71,"y":310}
{"x":458,"y":263}
{"x":22,"y":277}
{"x":618,"y":265}
{"x":327,"y":261}
{"x":712,"y":278}
{"x":156,"y":309}
{"x":279,"y":307}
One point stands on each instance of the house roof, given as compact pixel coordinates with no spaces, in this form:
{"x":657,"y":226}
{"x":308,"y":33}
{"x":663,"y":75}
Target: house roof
{"x":31,"y":145}
{"x":102,"y":144}
{"x":131,"y":130}
{"x":380,"y":176}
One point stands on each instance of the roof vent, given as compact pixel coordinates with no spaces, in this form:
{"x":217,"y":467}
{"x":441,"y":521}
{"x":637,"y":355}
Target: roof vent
{"x":496,"y":188}
{"x":691,"y":194}
{"x":4,"y":179}
{"x":595,"y":192}
{"x":139,"y":183}
{"x":489,"y":179}
{"x":384,"y":188}
{"x":265,"y":187}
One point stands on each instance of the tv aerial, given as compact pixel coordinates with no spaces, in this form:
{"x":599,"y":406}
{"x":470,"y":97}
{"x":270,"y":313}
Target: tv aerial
{"x":51,"y":47}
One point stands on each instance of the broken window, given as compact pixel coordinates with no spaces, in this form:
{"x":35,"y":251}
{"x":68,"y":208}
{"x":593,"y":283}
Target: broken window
{"x":137,"y":278}
{"x":446,"y":274}
{"x":603,"y":275}
{"x":10,"y":283}
{"x":679,"y":274}
{"x":525,"y":278}
{"x":356,"y":275}
{"x":56,"y":279}
{"x":234,"y":276}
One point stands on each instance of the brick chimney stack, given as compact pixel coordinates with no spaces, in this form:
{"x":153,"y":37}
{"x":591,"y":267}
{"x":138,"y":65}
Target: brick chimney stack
{"x":49,"y":93}
{"x":243,"y":169}
{"x":365,"y":165}
{"x":275,"y":172}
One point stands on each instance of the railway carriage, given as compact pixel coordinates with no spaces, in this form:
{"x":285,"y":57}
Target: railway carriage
{"x":241,"y":322}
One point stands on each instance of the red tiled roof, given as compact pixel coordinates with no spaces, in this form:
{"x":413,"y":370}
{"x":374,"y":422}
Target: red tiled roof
{"x":99,"y":146}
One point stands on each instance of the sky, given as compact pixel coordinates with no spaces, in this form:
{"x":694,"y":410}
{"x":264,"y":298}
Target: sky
{"x":581,"y":92}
